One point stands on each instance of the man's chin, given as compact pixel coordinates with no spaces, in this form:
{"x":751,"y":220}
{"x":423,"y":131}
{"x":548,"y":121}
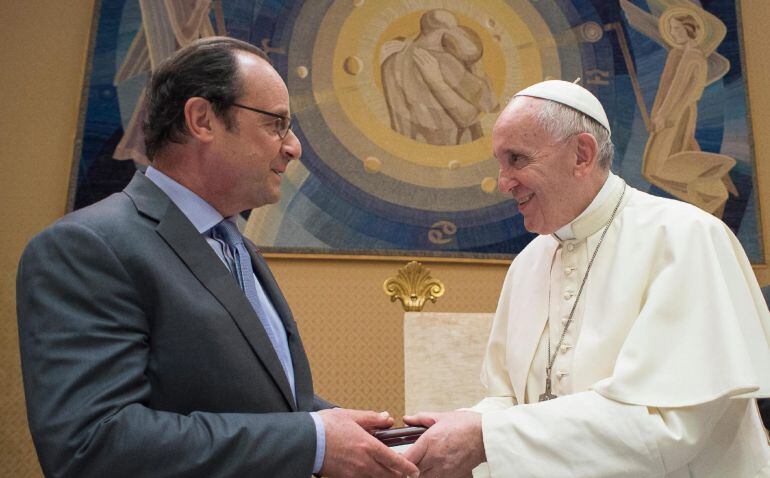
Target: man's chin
{"x":274,"y":198}
{"x":534,"y":227}
{"x":265,"y":201}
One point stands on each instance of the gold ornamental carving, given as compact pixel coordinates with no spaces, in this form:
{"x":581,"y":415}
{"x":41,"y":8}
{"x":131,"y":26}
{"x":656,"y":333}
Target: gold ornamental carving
{"x":413,"y":286}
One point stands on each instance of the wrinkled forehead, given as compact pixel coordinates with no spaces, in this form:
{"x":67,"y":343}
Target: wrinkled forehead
{"x":523,"y":106}
{"x":520,"y":112}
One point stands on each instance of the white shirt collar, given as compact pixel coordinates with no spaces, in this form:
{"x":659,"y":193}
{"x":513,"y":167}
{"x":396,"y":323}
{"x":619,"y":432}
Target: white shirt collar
{"x":200,"y":213}
{"x":565,"y":232}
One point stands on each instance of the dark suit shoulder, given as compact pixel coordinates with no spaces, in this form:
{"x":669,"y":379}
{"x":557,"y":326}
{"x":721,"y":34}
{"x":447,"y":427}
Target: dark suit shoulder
{"x":115,"y":211}
{"x":113,"y":219}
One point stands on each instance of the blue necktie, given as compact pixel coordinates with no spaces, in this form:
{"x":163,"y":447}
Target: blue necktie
{"x":244,"y":273}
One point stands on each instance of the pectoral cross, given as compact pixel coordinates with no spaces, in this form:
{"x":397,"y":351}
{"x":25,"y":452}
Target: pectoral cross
{"x":547,"y":395}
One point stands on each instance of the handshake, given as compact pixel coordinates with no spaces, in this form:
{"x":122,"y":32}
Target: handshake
{"x":357,"y":444}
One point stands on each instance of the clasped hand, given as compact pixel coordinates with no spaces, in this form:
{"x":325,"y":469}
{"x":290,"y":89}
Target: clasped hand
{"x":452,"y":446}
{"x":352,"y":451}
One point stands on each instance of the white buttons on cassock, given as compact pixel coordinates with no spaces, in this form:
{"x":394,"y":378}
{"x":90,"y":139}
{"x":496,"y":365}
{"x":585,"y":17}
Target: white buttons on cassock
{"x":570,"y":247}
{"x":568,"y":270}
{"x":565,"y":347}
{"x":561,"y":374}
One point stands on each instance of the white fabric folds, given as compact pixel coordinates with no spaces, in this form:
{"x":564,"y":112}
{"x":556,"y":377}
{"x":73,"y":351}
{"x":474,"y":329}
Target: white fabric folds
{"x":673,"y":315}
{"x":702,"y":330}
{"x":670,"y":343}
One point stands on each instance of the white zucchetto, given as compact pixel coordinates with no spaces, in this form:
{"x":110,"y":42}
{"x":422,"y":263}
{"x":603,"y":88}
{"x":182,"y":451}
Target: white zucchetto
{"x":569,"y":94}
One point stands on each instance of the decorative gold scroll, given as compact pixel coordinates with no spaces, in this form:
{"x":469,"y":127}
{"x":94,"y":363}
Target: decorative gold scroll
{"x":413,"y":286}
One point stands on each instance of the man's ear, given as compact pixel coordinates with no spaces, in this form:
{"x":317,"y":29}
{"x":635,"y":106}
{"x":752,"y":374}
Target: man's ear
{"x":586,"y":154}
{"x":199,"y":119}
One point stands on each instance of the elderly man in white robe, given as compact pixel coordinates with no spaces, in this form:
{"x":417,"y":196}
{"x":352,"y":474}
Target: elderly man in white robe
{"x":631,"y":338}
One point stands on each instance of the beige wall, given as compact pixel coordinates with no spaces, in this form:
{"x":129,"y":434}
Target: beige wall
{"x":43,"y":60}
{"x":353,"y":334}
{"x":755,"y":18}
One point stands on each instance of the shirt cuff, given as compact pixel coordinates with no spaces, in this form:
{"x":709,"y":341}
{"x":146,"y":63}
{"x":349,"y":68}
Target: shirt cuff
{"x":320,"y":442}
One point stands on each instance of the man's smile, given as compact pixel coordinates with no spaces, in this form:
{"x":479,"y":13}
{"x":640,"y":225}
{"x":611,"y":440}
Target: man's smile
{"x":523,"y":200}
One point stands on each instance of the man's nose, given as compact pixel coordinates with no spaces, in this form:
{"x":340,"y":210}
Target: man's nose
{"x":291,"y":148}
{"x":505,"y":184}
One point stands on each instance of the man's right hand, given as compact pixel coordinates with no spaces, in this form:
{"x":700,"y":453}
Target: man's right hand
{"x":351,"y":450}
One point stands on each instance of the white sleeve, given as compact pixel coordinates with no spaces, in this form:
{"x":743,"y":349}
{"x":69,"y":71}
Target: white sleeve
{"x":588,"y":435}
{"x":491,"y":404}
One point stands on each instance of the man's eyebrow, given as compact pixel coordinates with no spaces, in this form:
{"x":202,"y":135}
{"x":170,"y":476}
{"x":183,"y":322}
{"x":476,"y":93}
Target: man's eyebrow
{"x":279,"y":110}
{"x":509,"y":152}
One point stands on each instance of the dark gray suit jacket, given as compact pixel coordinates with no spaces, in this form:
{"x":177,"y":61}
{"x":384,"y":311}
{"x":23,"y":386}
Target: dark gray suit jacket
{"x":142,"y":357}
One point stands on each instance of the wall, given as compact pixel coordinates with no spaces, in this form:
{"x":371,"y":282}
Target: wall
{"x":755,"y":15}
{"x":43,"y":60}
{"x":354,"y":334}
{"x":348,"y":325}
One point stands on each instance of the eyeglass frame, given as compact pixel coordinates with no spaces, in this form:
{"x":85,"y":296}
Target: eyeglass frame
{"x":274,"y":115}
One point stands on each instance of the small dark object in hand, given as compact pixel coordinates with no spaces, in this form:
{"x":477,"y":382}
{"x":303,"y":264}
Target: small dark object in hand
{"x":399,"y":436}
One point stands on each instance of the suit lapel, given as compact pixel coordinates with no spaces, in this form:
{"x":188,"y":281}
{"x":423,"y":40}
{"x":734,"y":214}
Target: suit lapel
{"x":197,"y":255}
{"x":303,"y":381}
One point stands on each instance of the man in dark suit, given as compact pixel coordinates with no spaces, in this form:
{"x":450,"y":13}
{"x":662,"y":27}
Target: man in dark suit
{"x":154,"y":342}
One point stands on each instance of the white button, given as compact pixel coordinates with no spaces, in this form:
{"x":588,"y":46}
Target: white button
{"x":570,"y":247}
{"x":561,"y":374}
{"x":565,"y":347}
{"x":564,"y":320}
{"x":568,"y":270}
{"x":568,"y":295}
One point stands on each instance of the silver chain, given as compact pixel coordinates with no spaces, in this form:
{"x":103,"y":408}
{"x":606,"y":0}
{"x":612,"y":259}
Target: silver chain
{"x":552,"y":358}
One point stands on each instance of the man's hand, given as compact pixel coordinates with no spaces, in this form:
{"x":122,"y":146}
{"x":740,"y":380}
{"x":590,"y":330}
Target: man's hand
{"x":351,"y":450}
{"x":428,"y":66}
{"x":452,"y":446}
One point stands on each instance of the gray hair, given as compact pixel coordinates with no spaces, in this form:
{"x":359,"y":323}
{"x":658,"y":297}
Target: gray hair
{"x":561,"y":121}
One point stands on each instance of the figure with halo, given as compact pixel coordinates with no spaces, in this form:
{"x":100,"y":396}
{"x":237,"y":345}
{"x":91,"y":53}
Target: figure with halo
{"x":673,"y":159}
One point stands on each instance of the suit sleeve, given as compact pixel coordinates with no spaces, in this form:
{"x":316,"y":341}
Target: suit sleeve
{"x":85,"y":339}
{"x":321,"y":404}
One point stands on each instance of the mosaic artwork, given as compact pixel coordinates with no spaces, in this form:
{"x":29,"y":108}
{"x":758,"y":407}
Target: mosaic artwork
{"x":394,"y":104}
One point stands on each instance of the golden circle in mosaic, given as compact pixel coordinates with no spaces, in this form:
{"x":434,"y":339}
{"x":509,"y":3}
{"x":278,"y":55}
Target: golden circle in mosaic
{"x":489,"y":184}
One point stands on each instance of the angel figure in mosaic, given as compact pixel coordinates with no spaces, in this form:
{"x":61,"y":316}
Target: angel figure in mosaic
{"x":673,"y":160}
{"x":166,"y":27}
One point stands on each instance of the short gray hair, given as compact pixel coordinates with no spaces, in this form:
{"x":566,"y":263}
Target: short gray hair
{"x":561,"y":121}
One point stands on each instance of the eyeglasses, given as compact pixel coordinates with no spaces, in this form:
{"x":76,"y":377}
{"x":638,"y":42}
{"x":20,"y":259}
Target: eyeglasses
{"x":282,"y":123}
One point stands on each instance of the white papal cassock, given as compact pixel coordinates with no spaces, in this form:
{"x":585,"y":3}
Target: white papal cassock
{"x":657,"y":375}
